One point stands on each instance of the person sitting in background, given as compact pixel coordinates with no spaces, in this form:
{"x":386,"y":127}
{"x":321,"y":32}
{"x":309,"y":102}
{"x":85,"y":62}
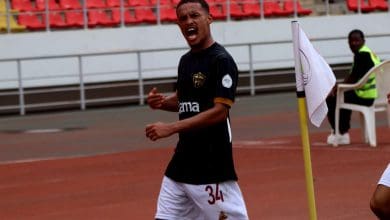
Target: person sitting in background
{"x":364,"y":59}
{"x":380,"y":200}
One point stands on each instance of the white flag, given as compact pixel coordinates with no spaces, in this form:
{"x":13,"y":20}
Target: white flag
{"x":317,"y":77}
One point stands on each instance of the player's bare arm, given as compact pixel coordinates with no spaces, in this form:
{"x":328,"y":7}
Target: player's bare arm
{"x":212,"y":116}
{"x":158,"y":100}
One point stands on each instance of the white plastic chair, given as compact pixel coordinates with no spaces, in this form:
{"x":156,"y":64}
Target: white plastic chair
{"x":367,"y":113}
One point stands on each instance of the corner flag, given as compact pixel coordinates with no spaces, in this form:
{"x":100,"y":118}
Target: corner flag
{"x":315,"y":77}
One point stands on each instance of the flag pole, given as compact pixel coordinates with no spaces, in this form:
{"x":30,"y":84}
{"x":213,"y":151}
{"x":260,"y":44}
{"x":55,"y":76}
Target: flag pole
{"x":303,"y":123}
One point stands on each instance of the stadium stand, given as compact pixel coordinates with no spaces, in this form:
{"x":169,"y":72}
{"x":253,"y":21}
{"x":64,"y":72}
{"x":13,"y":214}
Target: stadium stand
{"x":63,"y":14}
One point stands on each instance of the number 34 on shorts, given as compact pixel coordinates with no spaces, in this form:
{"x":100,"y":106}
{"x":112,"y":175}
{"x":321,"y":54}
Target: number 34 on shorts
{"x":215,"y":194}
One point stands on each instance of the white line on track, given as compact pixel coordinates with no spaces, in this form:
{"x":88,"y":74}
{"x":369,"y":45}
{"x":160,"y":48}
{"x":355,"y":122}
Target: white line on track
{"x":286,"y":145}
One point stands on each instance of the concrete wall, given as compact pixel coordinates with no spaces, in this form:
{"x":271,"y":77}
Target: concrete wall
{"x":270,"y":40}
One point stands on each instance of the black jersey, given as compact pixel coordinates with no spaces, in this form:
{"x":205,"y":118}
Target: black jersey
{"x":204,"y":155}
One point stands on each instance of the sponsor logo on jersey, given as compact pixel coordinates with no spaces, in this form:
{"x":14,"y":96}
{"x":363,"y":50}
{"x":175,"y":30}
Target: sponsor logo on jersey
{"x":188,"y":107}
{"x":227,"y":81}
{"x":198,"y":79}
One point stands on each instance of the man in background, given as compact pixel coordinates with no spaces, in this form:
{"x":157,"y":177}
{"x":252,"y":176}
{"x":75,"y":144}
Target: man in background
{"x":364,"y":59}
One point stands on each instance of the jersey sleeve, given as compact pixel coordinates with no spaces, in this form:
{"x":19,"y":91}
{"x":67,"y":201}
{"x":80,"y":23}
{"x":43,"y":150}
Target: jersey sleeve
{"x":227,"y":78}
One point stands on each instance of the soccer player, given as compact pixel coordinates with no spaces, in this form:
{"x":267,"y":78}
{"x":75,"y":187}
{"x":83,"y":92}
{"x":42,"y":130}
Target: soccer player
{"x":200,"y":181}
{"x":380,"y":201}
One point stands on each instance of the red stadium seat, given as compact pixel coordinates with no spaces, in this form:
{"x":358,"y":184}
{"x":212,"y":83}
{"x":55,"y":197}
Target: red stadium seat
{"x":129,"y":18}
{"x":70,"y":4}
{"x":99,"y":17}
{"x":364,"y":7}
{"x":95,"y":4}
{"x":74,"y":18}
{"x":288,"y":6}
{"x":41,"y":4}
{"x":218,"y":12}
{"x":167,"y":13}
{"x":236,"y":11}
{"x":251,"y":9}
{"x":273,"y":8}
{"x":162,"y":2}
{"x":379,"y":4}
{"x":22,"y":5}
{"x":145,"y":15}
{"x":31,"y":21}
{"x":139,"y":3}
{"x":55,"y":19}
{"x":116,"y":3}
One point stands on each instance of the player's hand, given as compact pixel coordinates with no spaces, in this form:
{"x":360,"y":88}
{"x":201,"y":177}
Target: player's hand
{"x":158,"y":130}
{"x":155,"y":100}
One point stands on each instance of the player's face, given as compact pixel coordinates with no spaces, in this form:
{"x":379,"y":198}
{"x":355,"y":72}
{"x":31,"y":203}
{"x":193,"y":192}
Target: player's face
{"x":194,"y":23}
{"x":355,"y":42}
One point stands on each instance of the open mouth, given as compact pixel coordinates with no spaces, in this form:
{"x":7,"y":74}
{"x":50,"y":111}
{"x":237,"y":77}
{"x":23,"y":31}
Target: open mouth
{"x":191,"y":33}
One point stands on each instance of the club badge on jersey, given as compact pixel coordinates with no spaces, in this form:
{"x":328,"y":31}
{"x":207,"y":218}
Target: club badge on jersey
{"x":198,"y":79}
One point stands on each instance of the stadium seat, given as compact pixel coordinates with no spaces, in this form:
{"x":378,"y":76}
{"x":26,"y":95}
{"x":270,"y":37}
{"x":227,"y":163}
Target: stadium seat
{"x":139,"y":3}
{"x":218,"y":12}
{"x":31,"y":21}
{"x":236,"y":11}
{"x":70,"y":4}
{"x":379,"y":4}
{"x":74,"y":18}
{"x":162,"y":2}
{"x":364,"y":6}
{"x":22,"y":5}
{"x":99,"y":17}
{"x":95,"y":4}
{"x":288,"y":6}
{"x":129,"y":18}
{"x":41,"y":4}
{"x":251,"y":8}
{"x":273,"y":8}
{"x":116,"y":3}
{"x":167,"y":13}
{"x":145,"y":15}
{"x":56,"y":20}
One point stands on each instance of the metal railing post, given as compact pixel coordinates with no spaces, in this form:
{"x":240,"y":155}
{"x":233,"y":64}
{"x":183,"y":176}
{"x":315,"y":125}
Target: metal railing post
{"x":140,"y":80}
{"x":251,"y":72}
{"x":47,"y":17}
{"x":85,"y":15}
{"x":22,"y":110}
{"x":82,"y":87}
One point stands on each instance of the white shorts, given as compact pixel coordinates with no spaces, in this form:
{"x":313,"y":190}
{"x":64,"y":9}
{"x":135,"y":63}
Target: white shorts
{"x":180,"y":201}
{"x":385,"y":179}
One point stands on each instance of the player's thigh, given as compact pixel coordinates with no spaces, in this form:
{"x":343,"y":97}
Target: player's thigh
{"x":218,"y":200}
{"x":174,"y":204}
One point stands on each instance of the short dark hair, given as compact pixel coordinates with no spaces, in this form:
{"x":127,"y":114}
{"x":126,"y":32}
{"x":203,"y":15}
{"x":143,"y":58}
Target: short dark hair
{"x":356,"y":31}
{"x":203,"y":3}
